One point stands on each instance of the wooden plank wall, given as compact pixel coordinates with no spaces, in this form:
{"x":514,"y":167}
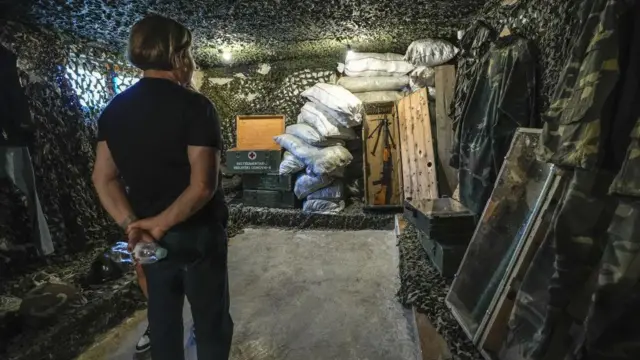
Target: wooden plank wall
{"x":373,"y":161}
{"x":445,"y":88}
{"x":416,"y":140}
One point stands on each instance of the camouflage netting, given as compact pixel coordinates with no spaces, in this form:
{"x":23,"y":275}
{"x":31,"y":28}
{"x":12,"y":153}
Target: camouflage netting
{"x":424,"y":288}
{"x":262,"y":89}
{"x":263,"y":30}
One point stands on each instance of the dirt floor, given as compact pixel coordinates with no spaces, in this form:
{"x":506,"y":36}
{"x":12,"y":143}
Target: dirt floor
{"x":303,"y":295}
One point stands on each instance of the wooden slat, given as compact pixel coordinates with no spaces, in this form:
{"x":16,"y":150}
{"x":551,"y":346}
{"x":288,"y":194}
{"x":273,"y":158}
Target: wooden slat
{"x":256,"y":132}
{"x":426,"y":153}
{"x":404,"y":148}
{"x":445,"y":79}
{"x":373,"y":162}
{"x":418,"y":156}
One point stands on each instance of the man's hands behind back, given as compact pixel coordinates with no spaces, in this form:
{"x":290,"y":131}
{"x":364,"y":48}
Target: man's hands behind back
{"x":136,"y":235}
{"x":152,"y":226}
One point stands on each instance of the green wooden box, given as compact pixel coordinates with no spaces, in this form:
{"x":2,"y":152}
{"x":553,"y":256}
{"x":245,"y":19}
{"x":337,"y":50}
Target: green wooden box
{"x":267,"y":182}
{"x":445,"y":258}
{"x":253,"y":161}
{"x":270,"y":199}
{"x":444,"y":220}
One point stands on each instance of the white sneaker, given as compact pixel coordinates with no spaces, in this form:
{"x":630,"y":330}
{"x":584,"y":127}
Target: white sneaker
{"x":144,"y":343}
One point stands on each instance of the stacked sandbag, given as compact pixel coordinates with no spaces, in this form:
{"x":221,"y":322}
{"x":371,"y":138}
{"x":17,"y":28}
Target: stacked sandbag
{"x":315,"y":146}
{"x":375,"y":78}
{"x":424,"y":55}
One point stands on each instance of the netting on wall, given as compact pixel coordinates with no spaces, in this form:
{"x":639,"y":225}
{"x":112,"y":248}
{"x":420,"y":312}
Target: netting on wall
{"x":262,"y":89}
{"x":67,"y":84}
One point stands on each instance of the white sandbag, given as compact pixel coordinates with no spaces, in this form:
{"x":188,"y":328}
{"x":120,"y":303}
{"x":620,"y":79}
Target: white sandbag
{"x":290,"y":164}
{"x":297,"y":147}
{"x":422,"y":77}
{"x":339,"y":100}
{"x":325,"y":122}
{"x":430,"y":52}
{"x":337,"y":173}
{"x":306,"y":184}
{"x":375,"y":64}
{"x":311,"y":136}
{"x":327,"y":160}
{"x":335,"y":191}
{"x":323,"y":206}
{"x":373,"y":97}
{"x":377,"y":83}
{"x":306,"y":133}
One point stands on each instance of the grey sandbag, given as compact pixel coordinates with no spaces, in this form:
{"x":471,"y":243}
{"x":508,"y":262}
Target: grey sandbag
{"x":373,"y":97}
{"x":430,"y":52}
{"x":305,"y":132}
{"x":306,"y":184}
{"x":335,"y":191}
{"x":376,"y":83}
{"x":323,"y":206}
{"x":290,"y":164}
{"x":337,"y":173}
{"x":327,"y":160}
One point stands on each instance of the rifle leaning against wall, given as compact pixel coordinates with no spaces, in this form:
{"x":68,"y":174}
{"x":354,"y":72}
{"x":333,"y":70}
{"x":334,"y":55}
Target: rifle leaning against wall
{"x":382,"y":130}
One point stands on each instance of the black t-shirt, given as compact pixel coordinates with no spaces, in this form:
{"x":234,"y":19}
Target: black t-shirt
{"x":148,"y":128}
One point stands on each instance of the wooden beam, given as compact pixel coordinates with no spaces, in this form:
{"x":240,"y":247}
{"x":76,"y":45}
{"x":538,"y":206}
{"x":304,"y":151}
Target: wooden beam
{"x":445,"y":80}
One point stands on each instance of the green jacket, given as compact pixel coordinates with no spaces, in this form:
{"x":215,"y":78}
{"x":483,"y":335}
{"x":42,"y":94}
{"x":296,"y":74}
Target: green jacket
{"x":581,"y":104}
{"x":627,"y":183}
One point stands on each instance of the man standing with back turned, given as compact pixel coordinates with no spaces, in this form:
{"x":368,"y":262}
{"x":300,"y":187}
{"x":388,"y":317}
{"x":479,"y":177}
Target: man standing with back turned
{"x":163,"y":140}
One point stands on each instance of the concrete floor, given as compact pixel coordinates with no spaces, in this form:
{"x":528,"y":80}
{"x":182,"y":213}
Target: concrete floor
{"x":304,"y":295}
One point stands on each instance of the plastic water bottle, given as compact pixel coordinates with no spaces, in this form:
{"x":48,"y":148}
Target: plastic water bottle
{"x":149,"y":252}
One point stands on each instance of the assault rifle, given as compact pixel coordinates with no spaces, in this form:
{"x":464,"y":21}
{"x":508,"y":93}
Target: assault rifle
{"x":383,"y":196}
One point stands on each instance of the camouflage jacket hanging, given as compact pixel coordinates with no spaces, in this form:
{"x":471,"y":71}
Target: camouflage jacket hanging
{"x":583,"y":104}
{"x":473,"y":46}
{"x":501,"y":99}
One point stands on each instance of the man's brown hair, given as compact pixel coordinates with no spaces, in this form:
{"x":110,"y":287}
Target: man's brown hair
{"x":159,"y":43}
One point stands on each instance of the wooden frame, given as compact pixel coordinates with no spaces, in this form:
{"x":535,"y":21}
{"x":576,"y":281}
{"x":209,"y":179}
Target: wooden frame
{"x":373,"y":162}
{"x":416,"y":142}
{"x":256,"y":132}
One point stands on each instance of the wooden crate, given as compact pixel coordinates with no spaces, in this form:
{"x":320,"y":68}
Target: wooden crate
{"x":445,"y":91}
{"x":256,"y":132}
{"x":444,"y":220}
{"x":270,"y":199}
{"x":273,"y":181}
{"x":253,"y":161}
{"x":416,"y":143}
{"x":445,"y":258}
{"x":373,"y":160}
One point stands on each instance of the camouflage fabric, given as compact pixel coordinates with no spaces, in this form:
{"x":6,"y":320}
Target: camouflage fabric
{"x":579,"y":238}
{"x":502,"y":99}
{"x":610,"y":331}
{"x":582,"y":105}
{"x":473,"y":46}
{"x":627,"y":182}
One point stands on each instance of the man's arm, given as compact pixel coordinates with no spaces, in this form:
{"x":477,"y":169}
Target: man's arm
{"x":205,"y":163}
{"x":109,"y":188}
